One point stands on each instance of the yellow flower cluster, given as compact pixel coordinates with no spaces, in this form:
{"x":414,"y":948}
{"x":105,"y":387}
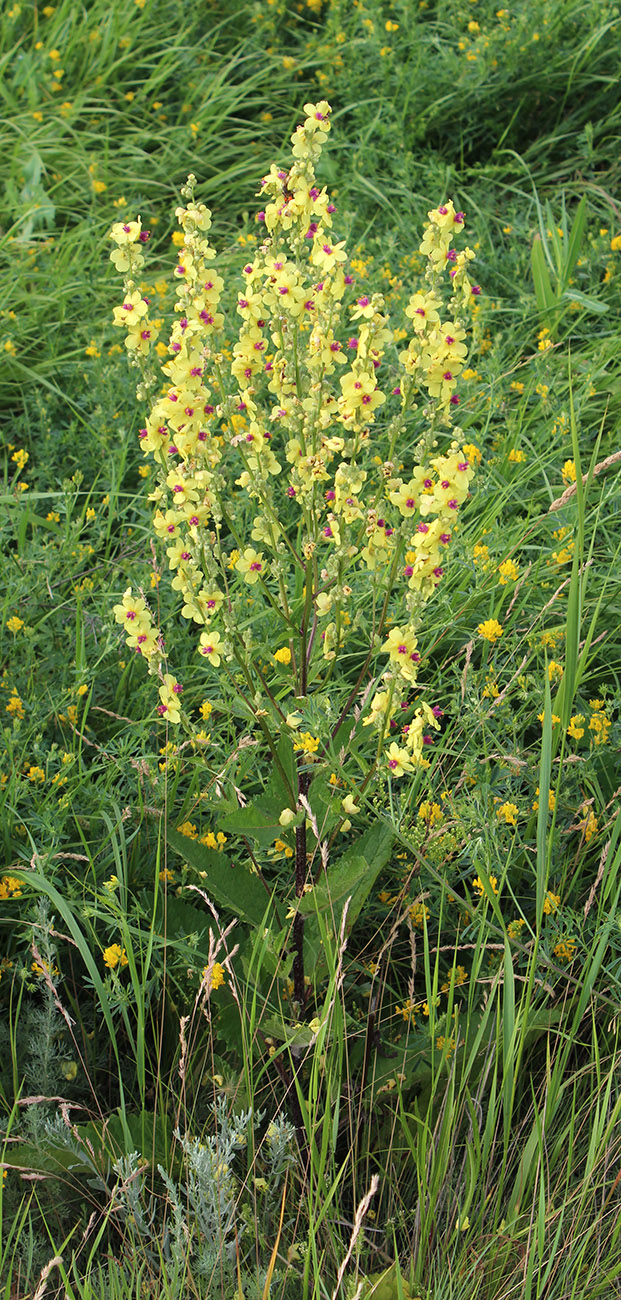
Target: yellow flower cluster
{"x":292,"y":404}
{"x":114,"y":956}
{"x":599,"y":723}
{"x":10,"y":887}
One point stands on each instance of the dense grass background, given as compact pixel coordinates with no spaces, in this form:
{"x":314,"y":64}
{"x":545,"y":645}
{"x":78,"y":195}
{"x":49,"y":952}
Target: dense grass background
{"x":497,"y":1164}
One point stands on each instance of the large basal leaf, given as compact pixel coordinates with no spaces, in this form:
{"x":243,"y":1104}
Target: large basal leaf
{"x":226,"y":882}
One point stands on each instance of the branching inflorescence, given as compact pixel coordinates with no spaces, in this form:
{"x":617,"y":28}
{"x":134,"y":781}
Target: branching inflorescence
{"x":270,"y":482}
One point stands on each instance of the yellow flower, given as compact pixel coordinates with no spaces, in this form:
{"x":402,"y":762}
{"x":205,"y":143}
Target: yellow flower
{"x":589,"y":826}
{"x":555,"y":671}
{"x":491,"y":630}
{"x":551,"y":801}
{"x":430,"y":813}
{"x":599,"y":724}
{"x":307,"y":743}
{"x":214,"y":977}
{"x":398,"y":761}
{"x":407,"y":1010}
{"x":14,"y":624}
{"x":189,"y":830}
{"x":615,"y":244}
{"x":211,"y":647}
{"x":283,"y":656}
{"x":569,"y":471}
{"x":517,"y":456}
{"x":114,"y":956}
{"x":509,"y":813}
{"x":251,"y":565}
{"x":478,"y":885}
{"x":10,"y":887}
{"x":508,"y":570}
{"x":565,"y":949}
{"x":575,"y":728}
{"x":551,"y":903}
{"x":514,"y":928}
{"x":418,"y":914}
{"x":472,"y":453}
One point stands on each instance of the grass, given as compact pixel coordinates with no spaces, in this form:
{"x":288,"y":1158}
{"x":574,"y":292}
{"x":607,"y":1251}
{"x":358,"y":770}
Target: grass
{"x":451,"y":1128}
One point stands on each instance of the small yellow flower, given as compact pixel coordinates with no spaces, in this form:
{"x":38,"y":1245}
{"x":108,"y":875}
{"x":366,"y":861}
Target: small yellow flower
{"x":575,"y":728}
{"x":515,"y":927}
{"x":306,"y":743}
{"x":472,"y":453}
{"x":517,"y":456}
{"x":509,"y":813}
{"x":569,"y":471}
{"x":551,"y":801}
{"x":589,"y":826}
{"x":555,"y":671}
{"x":283,"y":656}
{"x":115,"y":956}
{"x":508,"y":571}
{"x":14,"y":624}
{"x":565,"y":949}
{"x":551,"y":903}
{"x":418,"y":914}
{"x":10,"y":887}
{"x":214,"y":977}
{"x":430,"y":813}
{"x":490,"y":630}
{"x":188,"y":829}
{"x":478,"y":885}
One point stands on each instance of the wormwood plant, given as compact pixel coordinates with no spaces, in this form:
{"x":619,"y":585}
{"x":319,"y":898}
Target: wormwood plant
{"x":308,"y":488}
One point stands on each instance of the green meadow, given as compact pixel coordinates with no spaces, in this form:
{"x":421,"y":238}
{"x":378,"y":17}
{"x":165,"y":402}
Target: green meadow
{"x":310,"y":651}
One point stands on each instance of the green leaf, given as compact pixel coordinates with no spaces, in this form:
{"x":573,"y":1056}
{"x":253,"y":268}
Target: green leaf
{"x":260,"y":817}
{"x":229,"y":883}
{"x":583,"y":299}
{"x":546,"y":300}
{"x":574,"y":243}
{"x":351,"y":877}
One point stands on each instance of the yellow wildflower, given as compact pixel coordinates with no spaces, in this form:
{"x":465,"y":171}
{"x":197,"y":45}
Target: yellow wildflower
{"x":509,"y":813}
{"x":508,"y":570}
{"x":551,"y":903}
{"x":115,"y":956}
{"x":213,"y":978}
{"x":490,"y":630}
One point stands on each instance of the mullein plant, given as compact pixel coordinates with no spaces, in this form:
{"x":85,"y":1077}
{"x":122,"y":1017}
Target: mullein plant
{"x":295,"y":430}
